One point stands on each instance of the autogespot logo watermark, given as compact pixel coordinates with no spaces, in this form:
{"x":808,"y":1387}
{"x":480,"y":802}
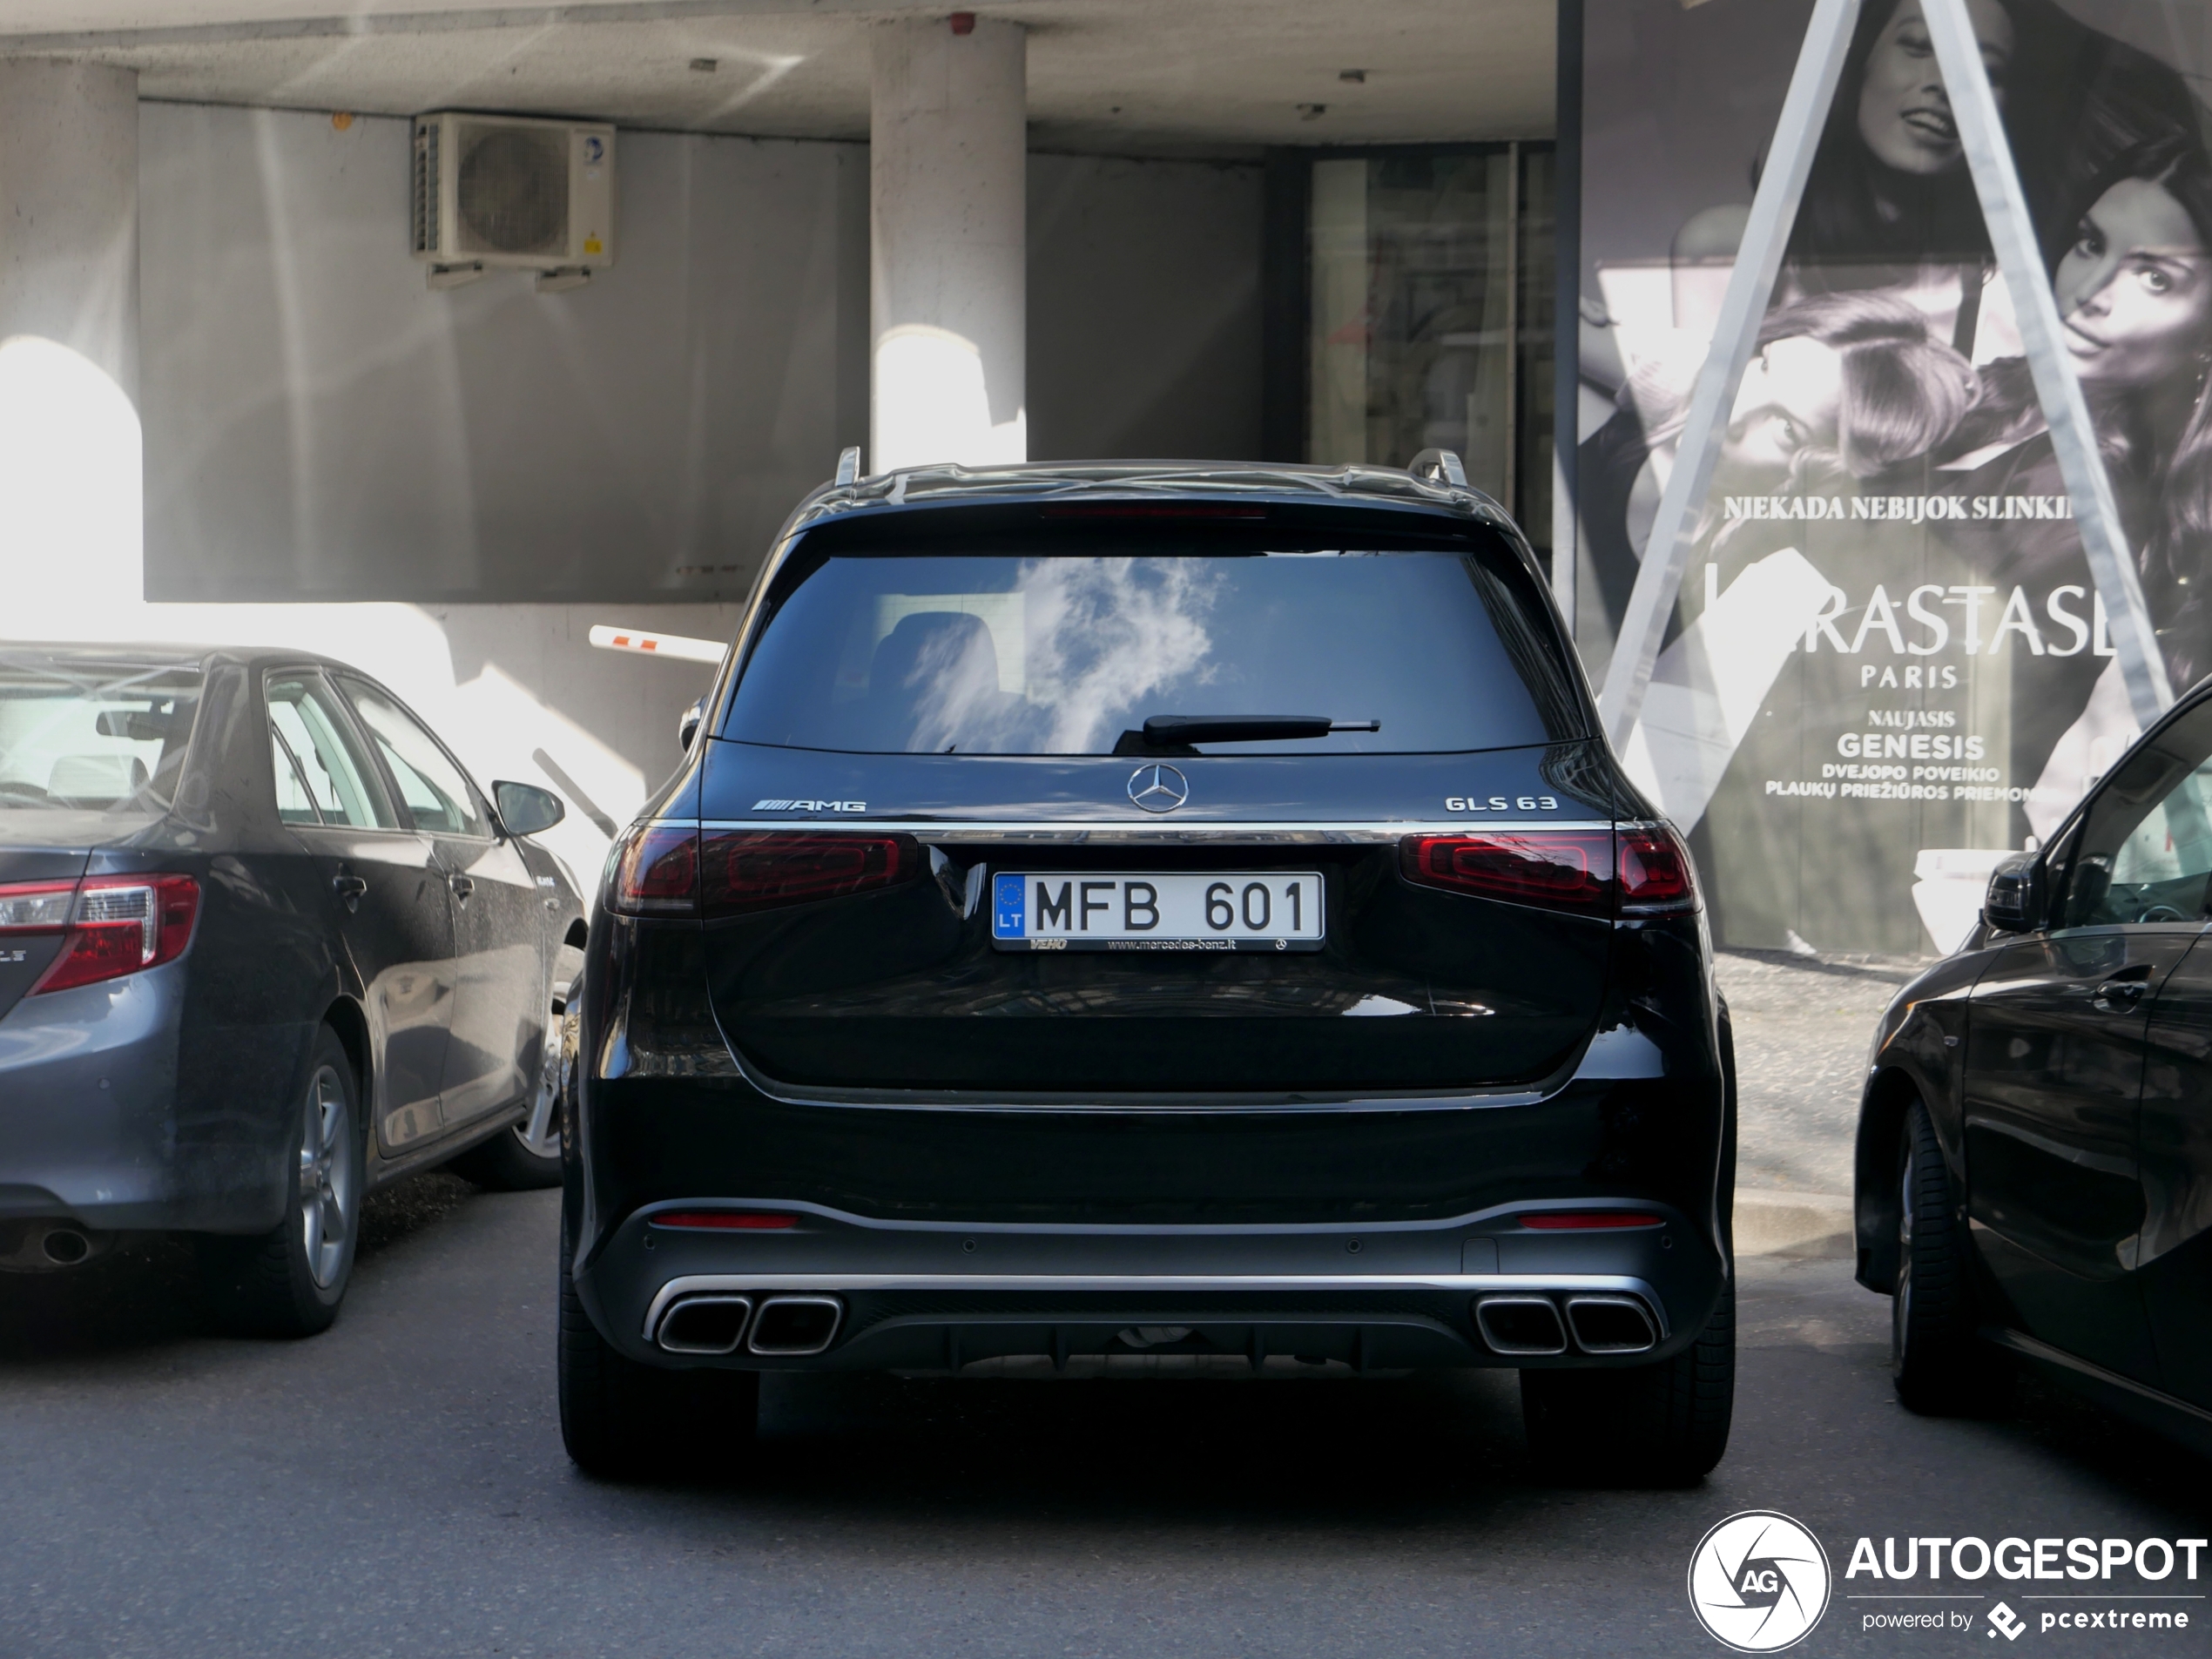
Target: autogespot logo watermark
{"x":1758,"y":1581}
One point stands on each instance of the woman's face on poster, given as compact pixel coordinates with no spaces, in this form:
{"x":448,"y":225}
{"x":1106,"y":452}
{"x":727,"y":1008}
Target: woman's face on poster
{"x":1790,"y":397}
{"x":1904,"y":113}
{"x":2135,"y":288}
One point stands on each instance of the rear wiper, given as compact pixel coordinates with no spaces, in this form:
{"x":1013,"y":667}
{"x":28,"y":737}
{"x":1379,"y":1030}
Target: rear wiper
{"x":1179,"y":731}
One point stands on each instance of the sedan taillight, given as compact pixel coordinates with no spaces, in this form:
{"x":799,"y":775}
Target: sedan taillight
{"x":112,"y":925}
{"x":1642,"y":872}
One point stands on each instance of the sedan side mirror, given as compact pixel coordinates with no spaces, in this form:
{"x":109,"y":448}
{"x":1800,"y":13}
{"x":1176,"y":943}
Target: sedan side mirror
{"x":2014,"y":903}
{"x":527,"y":810}
{"x":687,"y":723}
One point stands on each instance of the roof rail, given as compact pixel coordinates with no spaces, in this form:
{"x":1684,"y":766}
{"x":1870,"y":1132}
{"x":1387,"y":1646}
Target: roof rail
{"x":1439,"y":464}
{"x":848,"y":465}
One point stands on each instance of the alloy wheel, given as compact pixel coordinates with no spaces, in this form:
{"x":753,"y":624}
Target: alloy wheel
{"x":540,"y":1133}
{"x":327,"y":1183}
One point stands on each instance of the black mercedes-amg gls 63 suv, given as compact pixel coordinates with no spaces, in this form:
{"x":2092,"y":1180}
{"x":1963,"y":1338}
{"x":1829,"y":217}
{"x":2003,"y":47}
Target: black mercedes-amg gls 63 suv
{"x":1150,"y":908}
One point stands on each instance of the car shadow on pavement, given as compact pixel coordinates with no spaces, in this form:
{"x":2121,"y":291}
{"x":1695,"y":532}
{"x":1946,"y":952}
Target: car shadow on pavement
{"x":146,"y":1294}
{"x":1390,"y":1450}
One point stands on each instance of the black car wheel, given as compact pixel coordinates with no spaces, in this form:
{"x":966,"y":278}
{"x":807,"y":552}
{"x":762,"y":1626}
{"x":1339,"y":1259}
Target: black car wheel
{"x":1659,"y":1424}
{"x":289,"y":1281}
{"x":1938,"y":1364}
{"x":622,"y":1420}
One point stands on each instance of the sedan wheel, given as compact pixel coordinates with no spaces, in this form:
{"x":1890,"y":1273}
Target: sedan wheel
{"x":527,"y":1155}
{"x":329,"y":1186}
{"x":540,"y":1133}
{"x":290,"y":1280}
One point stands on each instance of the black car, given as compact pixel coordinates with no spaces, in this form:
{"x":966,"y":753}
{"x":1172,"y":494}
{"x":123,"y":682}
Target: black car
{"x":1146,"y":908}
{"x":263,"y":946}
{"x":2034,"y":1155}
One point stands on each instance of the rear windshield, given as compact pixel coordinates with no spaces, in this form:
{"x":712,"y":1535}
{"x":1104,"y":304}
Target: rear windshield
{"x":81,"y":736}
{"x":1069,"y":654}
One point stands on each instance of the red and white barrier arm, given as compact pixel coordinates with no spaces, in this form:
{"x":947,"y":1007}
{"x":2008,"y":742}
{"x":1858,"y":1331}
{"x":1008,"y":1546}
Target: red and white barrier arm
{"x":675,"y":646}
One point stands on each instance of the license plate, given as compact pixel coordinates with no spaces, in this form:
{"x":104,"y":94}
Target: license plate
{"x":1066,"y":910}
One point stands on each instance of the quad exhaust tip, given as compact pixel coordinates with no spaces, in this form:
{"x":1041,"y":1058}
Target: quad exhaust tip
{"x":1531,"y":1324}
{"x":705,"y":1324}
{"x":784,"y":1327}
{"x":1610,"y":1324}
{"x":796,"y":1326}
{"x":1521,"y":1325}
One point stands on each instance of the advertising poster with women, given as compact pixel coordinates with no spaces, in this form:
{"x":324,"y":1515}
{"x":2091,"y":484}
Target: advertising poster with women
{"x":1890,"y":664}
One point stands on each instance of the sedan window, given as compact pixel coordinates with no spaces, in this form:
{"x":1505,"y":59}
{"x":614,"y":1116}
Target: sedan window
{"x":331,"y":768}
{"x":439,"y":796}
{"x":294,"y":805}
{"x":82,"y":734}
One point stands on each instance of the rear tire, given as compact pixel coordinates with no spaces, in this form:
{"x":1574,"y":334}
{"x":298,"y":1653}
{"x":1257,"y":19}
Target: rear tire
{"x":1662,"y":1424}
{"x":289,"y":1281}
{"x":1938,"y":1365}
{"x":622,"y":1420}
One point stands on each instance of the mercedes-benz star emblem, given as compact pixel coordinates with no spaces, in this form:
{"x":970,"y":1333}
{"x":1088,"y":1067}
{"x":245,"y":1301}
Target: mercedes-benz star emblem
{"x":1158,"y":789}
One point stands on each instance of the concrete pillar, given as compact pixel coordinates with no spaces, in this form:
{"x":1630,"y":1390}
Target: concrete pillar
{"x":948,"y":242}
{"x":71,"y":473}
{"x":68,"y":210}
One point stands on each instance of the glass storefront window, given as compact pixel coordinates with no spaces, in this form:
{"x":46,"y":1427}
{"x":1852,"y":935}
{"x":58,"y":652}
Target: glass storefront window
{"x":1430,"y":314}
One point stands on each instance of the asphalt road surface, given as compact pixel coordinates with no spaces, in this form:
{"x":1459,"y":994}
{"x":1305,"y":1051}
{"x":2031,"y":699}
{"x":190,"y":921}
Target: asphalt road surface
{"x":397,"y":1487}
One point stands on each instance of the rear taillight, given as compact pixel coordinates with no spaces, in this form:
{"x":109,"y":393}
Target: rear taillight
{"x":656,"y":871}
{"x":36,"y":906}
{"x":659,"y":870}
{"x":741,"y":871}
{"x":1642,"y":872}
{"x":1657,"y":876}
{"x":112,"y":925}
{"x":1558,"y":869}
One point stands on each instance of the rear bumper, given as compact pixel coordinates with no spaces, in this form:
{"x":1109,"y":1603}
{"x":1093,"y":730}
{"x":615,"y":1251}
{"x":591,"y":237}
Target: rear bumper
{"x":88,"y":1083}
{"x":940,"y":1295}
{"x":94,"y":1128}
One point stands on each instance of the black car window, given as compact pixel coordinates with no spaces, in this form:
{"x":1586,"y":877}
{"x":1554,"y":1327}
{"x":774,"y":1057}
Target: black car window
{"x":335,"y":774}
{"x":2144,"y":852}
{"x":439,"y":796}
{"x":1035,"y":652}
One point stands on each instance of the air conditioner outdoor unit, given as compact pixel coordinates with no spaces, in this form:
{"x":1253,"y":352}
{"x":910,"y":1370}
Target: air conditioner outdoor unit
{"x":501,"y":190}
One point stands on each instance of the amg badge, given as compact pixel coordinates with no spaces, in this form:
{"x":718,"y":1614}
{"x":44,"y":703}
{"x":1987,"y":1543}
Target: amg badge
{"x":810,"y":806}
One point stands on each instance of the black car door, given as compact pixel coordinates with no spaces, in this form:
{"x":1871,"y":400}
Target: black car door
{"x":499,"y":923}
{"x":2056,"y":1041}
{"x":2174,"y":1258}
{"x":388,"y":898}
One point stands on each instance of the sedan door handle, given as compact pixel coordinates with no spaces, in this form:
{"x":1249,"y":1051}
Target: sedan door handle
{"x":2119,"y":996}
{"x":350,"y":890}
{"x":462,"y":887}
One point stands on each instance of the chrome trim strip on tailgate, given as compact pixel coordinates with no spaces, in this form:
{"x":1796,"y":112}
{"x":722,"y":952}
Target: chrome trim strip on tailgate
{"x":1164,"y":1284}
{"x":1152,"y":830}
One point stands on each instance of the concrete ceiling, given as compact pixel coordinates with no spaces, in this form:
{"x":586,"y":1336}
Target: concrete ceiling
{"x":1118,"y":77}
